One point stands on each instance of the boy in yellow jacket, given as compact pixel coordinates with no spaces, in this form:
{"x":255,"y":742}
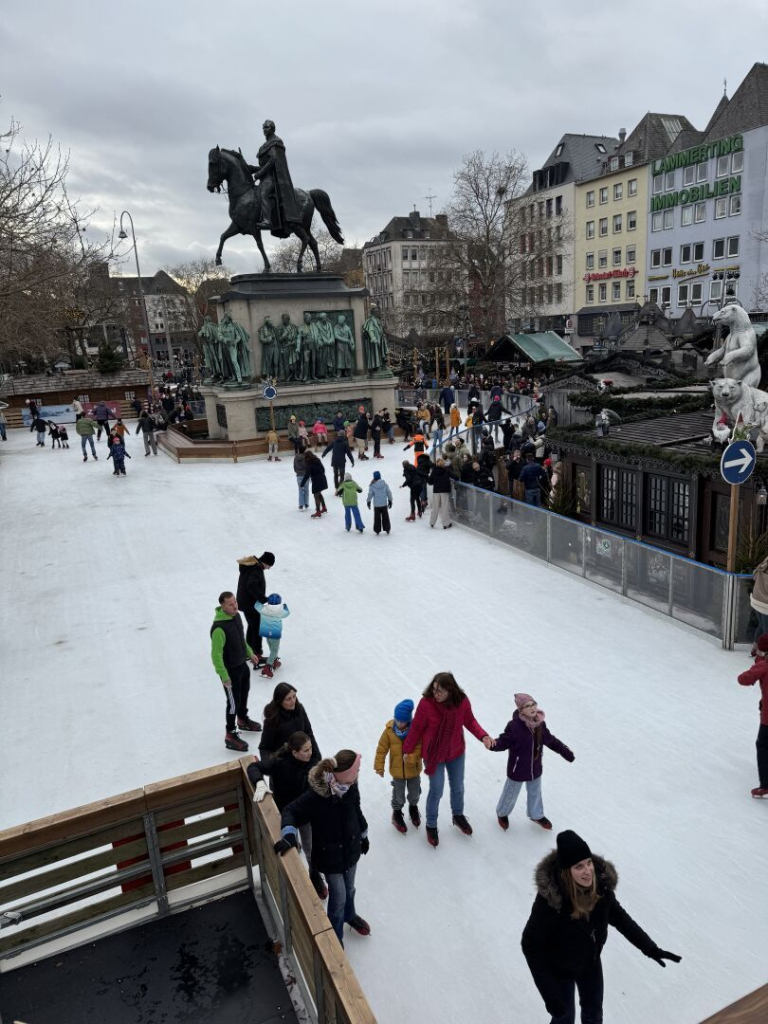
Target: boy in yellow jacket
{"x":405,"y":770}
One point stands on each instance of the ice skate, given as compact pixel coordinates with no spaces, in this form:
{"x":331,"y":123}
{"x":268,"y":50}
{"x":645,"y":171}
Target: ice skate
{"x":461,"y":822}
{"x":411,"y":518}
{"x":276,"y":663}
{"x":318,"y":882}
{"x":359,"y":925}
{"x":233,"y":742}
{"x":544,"y":822}
{"x":413,"y":813}
{"x":267,"y":671}
{"x":248,"y":725}
{"x":432,"y":837}
{"x":760,"y":792}
{"x":503,"y":821}
{"x":399,"y":821}
{"x":315,"y":515}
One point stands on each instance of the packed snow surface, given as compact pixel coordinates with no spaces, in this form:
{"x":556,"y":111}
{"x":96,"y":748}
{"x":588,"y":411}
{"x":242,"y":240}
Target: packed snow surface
{"x":107,"y":684}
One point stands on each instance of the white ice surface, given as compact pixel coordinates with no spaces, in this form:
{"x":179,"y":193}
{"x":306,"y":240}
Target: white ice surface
{"x":109,"y":591}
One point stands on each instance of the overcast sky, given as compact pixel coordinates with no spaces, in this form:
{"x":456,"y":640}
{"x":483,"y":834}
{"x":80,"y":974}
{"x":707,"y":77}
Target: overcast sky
{"x":375,"y":101}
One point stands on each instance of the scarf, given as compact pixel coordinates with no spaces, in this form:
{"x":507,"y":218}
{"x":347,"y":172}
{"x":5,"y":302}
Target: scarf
{"x":336,"y":788}
{"x":533,"y":725}
{"x":401,"y":733}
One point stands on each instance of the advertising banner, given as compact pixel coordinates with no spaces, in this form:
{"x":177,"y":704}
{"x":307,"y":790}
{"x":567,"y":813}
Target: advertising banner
{"x":57,"y":413}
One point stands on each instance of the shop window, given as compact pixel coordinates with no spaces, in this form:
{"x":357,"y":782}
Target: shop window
{"x":618,"y":497}
{"x":667,"y":513}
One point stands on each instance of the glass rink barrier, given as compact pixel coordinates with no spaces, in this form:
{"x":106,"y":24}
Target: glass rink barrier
{"x":700,"y":596}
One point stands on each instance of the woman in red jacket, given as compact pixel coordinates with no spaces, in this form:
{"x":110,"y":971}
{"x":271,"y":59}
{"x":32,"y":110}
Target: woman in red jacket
{"x":443,"y":713}
{"x":759,"y":674}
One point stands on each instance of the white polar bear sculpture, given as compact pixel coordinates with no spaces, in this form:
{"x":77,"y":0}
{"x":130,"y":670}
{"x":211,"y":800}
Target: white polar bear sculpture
{"x":734,"y":398}
{"x":737,"y":355}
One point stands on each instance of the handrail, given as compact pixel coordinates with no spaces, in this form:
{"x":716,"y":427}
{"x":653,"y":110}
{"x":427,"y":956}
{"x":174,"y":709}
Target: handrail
{"x":751,"y":1009}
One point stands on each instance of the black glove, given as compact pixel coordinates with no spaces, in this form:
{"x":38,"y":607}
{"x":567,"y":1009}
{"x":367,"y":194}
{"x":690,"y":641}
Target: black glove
{"x":662,"y":955}
{"x":365,"y":847}
{"x":369,"y":505}
{"x":288,"y":842}
{"x":569,"y":755}
{"x":389,"y":504}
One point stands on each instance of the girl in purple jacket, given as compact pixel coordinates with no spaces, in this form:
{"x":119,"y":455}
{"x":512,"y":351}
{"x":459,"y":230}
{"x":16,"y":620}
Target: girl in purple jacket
{"x":525,"y":738}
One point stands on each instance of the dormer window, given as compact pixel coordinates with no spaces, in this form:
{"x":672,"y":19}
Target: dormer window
{"x":560,"y":148}
{"x":600,"y":147}
{"x":629,"y":159}
{"x":614,"y":163}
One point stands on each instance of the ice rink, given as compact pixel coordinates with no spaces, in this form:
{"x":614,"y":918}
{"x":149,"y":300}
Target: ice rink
{"x":110,"y":585}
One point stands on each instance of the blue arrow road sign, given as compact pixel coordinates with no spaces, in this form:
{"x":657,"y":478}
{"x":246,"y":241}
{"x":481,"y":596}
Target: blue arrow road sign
{"x":738,"y":462}
{"x":269,"y":392}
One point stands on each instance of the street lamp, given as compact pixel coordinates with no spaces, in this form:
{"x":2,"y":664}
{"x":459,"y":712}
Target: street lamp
{"x":123,"y":235}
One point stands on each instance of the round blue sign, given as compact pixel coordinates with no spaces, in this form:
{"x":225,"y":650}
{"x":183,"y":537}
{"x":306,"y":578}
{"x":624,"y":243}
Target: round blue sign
{"x":269,"y":392}
{"x":738,"y":462}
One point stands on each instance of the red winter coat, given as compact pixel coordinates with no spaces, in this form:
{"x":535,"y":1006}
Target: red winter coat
{"x":758,"y":674}
{"x":440,"y":730}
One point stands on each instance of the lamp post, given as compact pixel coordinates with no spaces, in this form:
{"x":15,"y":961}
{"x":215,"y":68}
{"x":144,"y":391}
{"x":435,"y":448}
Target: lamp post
{"x":122,"y":235}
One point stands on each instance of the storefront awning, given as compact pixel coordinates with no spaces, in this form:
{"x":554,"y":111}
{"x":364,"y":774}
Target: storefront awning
{"x":542,"y":347}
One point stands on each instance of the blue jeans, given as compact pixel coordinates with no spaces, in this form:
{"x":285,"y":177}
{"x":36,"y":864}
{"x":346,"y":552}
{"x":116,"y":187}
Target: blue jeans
{"x":762,"y":626}
{"x":341,"y":899}
{"x":2,"y":432}
{"x":83,"y":440}
{"x":511,"y":792}
{"x":349,"y":511}
{"x":455,"y":770}
{"x":303,"y":491}
{"x":533,"y":497}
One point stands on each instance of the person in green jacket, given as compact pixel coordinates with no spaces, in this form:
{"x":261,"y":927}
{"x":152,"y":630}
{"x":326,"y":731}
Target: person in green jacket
{"x":86,"y":428}
{"x":349,"y":491}
{"x":229,"y":654}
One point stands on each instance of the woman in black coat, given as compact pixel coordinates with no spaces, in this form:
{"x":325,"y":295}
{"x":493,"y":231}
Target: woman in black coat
{"x":284,"y":716}
{"x":340,"y":452}
{"x":316,"y":473}
{"x":331,"y":805}
{"x":289,"y":770}
{"x":568,"y":927}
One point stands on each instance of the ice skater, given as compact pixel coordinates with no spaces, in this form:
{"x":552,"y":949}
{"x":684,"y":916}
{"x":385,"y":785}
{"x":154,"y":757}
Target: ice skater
{"x":349,"y":491}
{"x":405,"y":771}
{"x":525,"y":737}
{"x":118,"y":454}
{"x":414,"y":483}
{"x":39,"y":426}
{"x":272,"y":614}
{"x":55,"y":434}
{"x":230,"y":653}
{"x":273,"y":445}
{"x":759,"y":673}
{"x":63,"y":436}
{"x":380,"y":495}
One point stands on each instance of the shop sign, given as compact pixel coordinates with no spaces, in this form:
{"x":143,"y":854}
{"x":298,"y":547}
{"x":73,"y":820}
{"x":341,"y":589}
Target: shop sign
{"x":698,"y":154}
{"x":658,"y":277}
{"x":605,"y":275}
{"x":696,"y":193}
{"x":703,"y":268}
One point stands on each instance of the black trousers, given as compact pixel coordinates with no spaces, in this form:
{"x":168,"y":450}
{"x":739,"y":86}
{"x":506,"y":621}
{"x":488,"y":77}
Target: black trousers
{"x":590,"y":988}
{"x":338,"y":476}
{"x":380,"y":518}
{"x":252,"y":637}
{"x":415,"y":495}
{"x":762,"y":756}
{"x":237,"y":696}
{"x":377,"y":445}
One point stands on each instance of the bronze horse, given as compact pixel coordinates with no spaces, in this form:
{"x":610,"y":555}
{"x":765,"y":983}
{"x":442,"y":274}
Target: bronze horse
{"x":245,"y":206}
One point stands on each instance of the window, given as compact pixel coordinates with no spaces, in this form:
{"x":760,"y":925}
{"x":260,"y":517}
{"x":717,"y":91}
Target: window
{"x":558,"y":293}
{"x":731,"y":290}
{"x":668,"y":508}
{"x":590,"y":229}
{"x":541,"y":209}
{"x":614,"y":163}
{"x":686,"y":215}
{"x":696,"y":293}
{"x":699,"y":213}
{"x":590,"y":293}
{"x":689,"y":175}
{"x":558,"y":233}
{"x":603,"y":225}
{"x":698,"y":252}
{"x":669,"y":181}
{"x":630,"y":289}
{"x":737,"y":162}
{"x":722,"y":166}
{"x":414,"y":254}
{"x":631,"y":220}
{"x":549,"y":266}
{"x":407,"y":300}
{"x":656,"y":222}
{"x":600,"y":147}
{"x":616,"y":291}
{"x":558,"y":206}
{"x":653,"y":295}
{"x":682,"y":295}
{"x":718,"y":248}
{"x":685,"y":253}
{"x":531,"y":210}
{"x":666,"y":257}
{"x":560,"y":147}
{"x":405,"y":252}
{"x":559,"y":265}
{"x":721,"y":208}
{"x":618,"y":497}
{"x":679,"y":520}
{"x":721,"y":516}
{"x":666,"y":294}
{"x":590,"y":261}
{"x":632,"y":187}
{"x":631,"y":254}
{"x":715,"y":290}
{"x":602,"y":258}
{"x":550,"y":294}
{"x":617,"y":257}
{"x":701,"y":171}
{"x":655,"y":257}
{"x":629,"y":158}
{"x":604,"y":195}
{"x":733,"y":246}
{"x":669,"y":219}
{"x":735,"y":206}
{"x":590,"y":198}
{"x":658,"y":184}
{"x":603,"y":292}
{"x":550,"y":205}
{"x":618,"y":191}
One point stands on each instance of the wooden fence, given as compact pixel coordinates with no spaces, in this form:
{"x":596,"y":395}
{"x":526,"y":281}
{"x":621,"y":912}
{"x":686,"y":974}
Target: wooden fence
{"x":106,"y":866}
{"x":752,"y":1009}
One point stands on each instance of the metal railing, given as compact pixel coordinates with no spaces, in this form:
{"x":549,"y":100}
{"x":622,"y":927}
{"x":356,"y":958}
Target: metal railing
{"x":701,"y":596}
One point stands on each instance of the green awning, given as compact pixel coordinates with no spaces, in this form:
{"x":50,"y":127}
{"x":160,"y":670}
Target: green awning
{"x":542,"y":347}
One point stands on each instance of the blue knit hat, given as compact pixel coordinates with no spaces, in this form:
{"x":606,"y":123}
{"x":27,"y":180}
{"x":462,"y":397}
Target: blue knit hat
{"x":377,"y":475}
{"x":274,"y":599}
{"x":404,"y":711}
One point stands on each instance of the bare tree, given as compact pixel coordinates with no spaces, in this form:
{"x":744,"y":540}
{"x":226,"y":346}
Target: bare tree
{"x":201,"y":279}
{"x":286,"y":254}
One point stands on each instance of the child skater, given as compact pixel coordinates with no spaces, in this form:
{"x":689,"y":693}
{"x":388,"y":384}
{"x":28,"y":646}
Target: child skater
{"x":63,"y":436}
{"x":759,"y":674}
{"x":118,"y":454}
{"x":404,"y":769}
{"x":54,"y":433}
{"x":525,"y":737}
{"x":271,"y":628}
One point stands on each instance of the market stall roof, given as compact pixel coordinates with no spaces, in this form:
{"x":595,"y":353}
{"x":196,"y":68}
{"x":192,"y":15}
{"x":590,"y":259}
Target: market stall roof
{"x":542,"y":347}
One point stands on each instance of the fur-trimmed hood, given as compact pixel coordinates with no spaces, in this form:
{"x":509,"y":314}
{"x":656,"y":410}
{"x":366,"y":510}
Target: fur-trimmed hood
{"x":547,"y":878}
{"x":316,"y":779}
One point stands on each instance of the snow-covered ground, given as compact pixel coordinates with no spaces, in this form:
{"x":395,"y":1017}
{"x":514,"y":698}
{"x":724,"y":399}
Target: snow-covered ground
{"x":109,"y":590}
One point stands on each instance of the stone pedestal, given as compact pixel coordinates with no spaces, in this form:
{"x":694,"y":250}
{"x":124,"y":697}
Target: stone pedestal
{"x":241,"y":414}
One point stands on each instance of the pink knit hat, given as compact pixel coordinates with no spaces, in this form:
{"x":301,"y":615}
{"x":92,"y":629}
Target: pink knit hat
{"x":350,"y":774}
{"x":521,"y":699}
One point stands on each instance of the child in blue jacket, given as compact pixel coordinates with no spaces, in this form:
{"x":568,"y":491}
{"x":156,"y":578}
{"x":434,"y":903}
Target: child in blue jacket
{"x":271,"y":628}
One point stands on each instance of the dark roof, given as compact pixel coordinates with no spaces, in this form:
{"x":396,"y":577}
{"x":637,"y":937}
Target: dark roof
{"x":665,"y":430}
{"x":619,"y":307}
{"x":349,"y":260}
{"x":719,"y":110}
{"x":160,"y":284}
{"x":435,"y":227}
{"x":645,"y":336}
{"x":650,"y":139}
{"x":685,"y":140}
{"x":581,"y":154}
{"x":747,"y":109}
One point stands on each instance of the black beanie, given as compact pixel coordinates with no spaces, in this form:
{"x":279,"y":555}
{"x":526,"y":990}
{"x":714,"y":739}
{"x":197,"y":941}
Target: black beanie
{"x":267,"y":558}
{"x":571,"y":849}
